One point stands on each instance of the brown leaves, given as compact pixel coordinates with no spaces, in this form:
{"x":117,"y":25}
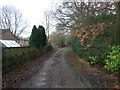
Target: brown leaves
{"x":16,"y":77}
{"x":89,"y":33}
{"x":98,"y":77}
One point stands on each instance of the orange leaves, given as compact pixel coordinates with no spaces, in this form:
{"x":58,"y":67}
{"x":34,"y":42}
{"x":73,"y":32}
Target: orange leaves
{"x":84,"y":30}
{"x":79,"y":35}
{"x":94,"y":37}
{"x":82,"y":42}
{"x":89,"y":45}
{"x":76,"y":34}
{"x":93,"y":33}
{"x":77,"y":31}
{"x":89,"y":33}
{"x":85,"y":36}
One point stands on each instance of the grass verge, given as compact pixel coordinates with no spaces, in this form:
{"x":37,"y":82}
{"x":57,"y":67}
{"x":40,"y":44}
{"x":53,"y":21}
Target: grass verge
{"x":56,"y":48}
{"x":74,"y":60}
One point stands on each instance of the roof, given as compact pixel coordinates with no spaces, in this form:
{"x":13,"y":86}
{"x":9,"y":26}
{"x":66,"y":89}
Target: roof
{"x":9,"y":43}
{"x":7,"y":34}
{"x":3,"y":30}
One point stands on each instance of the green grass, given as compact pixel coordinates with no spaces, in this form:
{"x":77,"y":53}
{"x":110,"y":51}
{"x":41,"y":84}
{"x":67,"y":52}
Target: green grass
{"x":83,"y":61}
{"x":56,"y":48}
{"x":70,"y":62}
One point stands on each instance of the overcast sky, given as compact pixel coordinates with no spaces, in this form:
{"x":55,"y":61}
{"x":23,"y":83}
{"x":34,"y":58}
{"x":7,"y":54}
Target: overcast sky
{"x":33,"y":10}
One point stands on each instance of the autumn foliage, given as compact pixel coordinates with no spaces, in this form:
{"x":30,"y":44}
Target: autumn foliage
{"x":88,"y":34}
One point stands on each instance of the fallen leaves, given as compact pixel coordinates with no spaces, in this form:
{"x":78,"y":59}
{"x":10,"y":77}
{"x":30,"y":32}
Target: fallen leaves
{"x":104,"y":79}
{"x":16,"y":77}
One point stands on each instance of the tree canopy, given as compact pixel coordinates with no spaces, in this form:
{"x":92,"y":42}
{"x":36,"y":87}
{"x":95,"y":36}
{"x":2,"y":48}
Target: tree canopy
{"x":38,"y":37}
{"x":94,"y":29}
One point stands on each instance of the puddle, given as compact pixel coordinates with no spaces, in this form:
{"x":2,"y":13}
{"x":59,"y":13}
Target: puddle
{"x":44,"y":79}
{"x":43,"y":74}
{"x":41,"y":84}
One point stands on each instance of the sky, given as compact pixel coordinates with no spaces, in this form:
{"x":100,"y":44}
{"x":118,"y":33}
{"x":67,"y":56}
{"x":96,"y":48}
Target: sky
{"x":32,"y":10}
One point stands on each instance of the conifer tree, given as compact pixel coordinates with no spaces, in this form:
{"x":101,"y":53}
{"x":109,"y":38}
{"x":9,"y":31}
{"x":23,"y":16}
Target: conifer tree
{"x":38,"y":37}
{"x":42,"y":38}
{"x":33,"y":37}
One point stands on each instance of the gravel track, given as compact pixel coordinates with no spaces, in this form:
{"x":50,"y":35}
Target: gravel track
{"x":57,"y":73}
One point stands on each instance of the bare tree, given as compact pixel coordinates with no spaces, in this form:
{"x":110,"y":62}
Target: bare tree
{"x":47,"y":22}
{"x":12,"y":19}
{"x":57,"y":38}
{"x":73,"y":15}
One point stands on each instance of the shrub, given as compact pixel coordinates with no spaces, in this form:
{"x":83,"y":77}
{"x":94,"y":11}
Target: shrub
{"x":113,"y":59}
{"x":97,"y":59}
{"x":94,"y":59}
{"x":14,"y":57}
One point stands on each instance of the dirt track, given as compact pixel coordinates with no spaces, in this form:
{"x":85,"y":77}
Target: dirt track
{"x":56,"y":73}
{"x":55,"y":70}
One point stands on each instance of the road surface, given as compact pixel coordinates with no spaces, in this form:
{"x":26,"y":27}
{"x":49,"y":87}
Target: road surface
{"x":57,"y":73}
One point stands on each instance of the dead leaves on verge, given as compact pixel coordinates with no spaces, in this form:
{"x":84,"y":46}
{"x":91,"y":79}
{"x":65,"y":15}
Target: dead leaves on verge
{"x":16,"y":77}
{"x":107,"y":81}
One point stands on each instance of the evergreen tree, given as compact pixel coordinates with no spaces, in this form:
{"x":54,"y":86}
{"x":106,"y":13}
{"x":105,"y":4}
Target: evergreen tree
{"x":32,"y":40}
{"x":42,"y":38}
{"x":38,"y":37}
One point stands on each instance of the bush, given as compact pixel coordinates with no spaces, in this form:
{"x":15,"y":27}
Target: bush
{"x":94,"y":59}
{"x":113,"y":59}
{"x":12,"y":58}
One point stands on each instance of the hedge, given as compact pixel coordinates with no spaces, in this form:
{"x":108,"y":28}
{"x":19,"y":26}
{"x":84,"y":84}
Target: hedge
{"x":12,"y":58}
